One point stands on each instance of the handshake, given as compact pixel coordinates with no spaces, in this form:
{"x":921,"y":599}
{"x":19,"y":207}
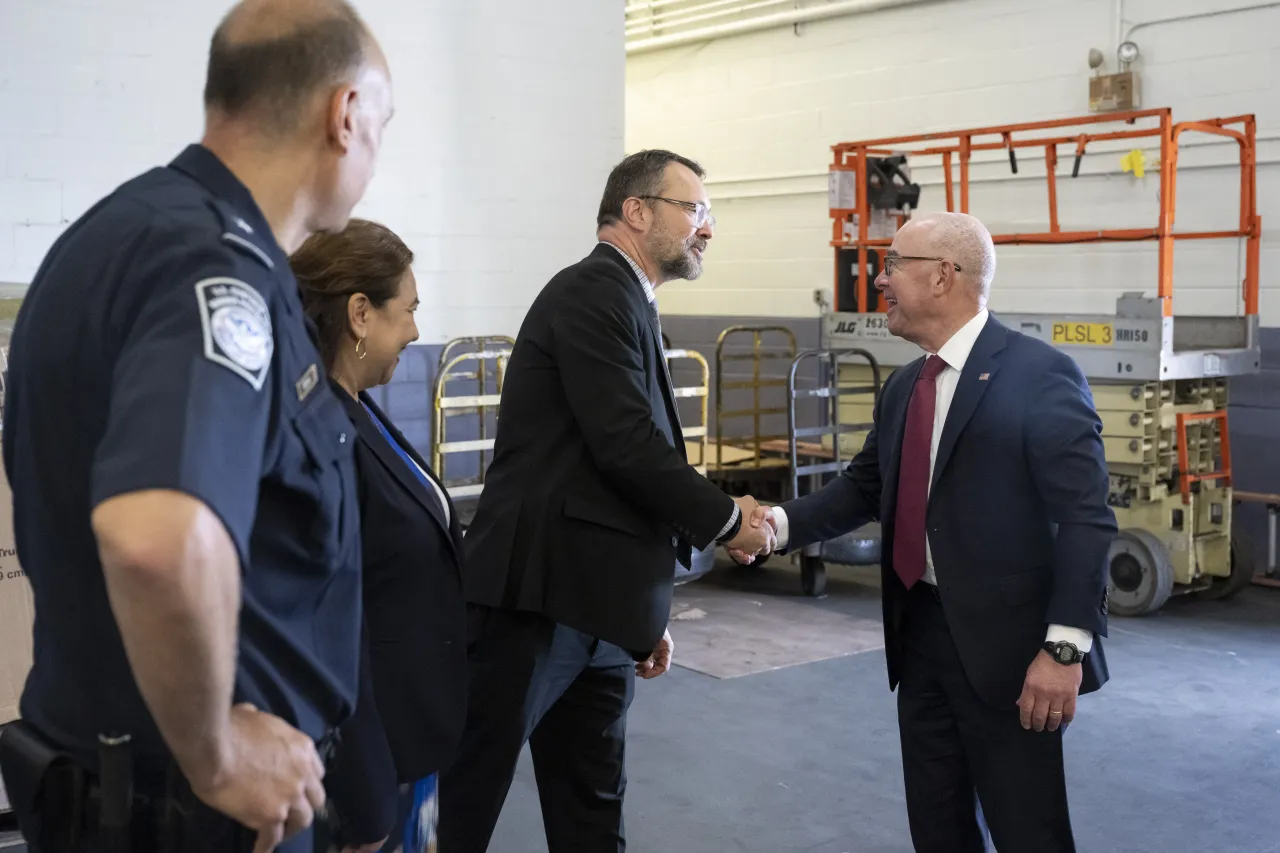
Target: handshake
{"x":758,"y":534}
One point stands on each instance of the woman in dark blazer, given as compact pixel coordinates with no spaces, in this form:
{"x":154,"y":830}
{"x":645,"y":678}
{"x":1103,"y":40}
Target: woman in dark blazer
{"x":359,"y":289}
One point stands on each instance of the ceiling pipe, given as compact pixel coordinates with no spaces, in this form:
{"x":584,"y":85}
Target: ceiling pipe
{"x":703,"y":12}
{"x":1215,"y":13}
{"x":650,"y":5}
{"x":780,"y":19}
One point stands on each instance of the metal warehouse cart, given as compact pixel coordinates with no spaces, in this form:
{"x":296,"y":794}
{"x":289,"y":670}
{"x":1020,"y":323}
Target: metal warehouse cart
{"x":859,"y":547}
{"x":480,"y":362}
{"x":746,"y":464}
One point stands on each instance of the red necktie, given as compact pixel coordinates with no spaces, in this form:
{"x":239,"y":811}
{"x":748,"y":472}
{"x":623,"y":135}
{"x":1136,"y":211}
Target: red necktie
{"x":913,"y":476}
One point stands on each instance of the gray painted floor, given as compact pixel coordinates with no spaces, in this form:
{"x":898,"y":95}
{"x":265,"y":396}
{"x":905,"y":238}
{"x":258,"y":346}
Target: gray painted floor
{"x":1180,"y":753}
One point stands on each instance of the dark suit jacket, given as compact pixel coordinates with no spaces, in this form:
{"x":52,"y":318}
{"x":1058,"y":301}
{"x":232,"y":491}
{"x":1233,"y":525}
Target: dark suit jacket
{"x":413,"y":698}
{"x":1018,"y":520}
{"x":590,"y":500}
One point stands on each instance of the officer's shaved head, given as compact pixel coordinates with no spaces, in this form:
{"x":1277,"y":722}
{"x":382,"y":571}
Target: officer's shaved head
{"x":307,"y":78}
{"x":270,"y":58}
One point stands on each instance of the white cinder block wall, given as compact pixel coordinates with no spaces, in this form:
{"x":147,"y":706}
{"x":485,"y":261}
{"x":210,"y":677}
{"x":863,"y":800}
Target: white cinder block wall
{"x":509,"y":116}
{"x":761,"y":111}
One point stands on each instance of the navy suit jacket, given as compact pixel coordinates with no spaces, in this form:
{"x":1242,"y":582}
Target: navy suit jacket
{"x":1018,"y":520}
{"x":413,"y":686}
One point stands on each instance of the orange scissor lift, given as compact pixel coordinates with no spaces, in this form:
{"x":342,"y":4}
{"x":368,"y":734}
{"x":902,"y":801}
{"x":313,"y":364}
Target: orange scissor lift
{"x":1160,"y":381}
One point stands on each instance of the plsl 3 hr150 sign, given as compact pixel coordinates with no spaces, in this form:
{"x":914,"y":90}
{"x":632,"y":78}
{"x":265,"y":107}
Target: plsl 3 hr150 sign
{"x":1087,"y":334}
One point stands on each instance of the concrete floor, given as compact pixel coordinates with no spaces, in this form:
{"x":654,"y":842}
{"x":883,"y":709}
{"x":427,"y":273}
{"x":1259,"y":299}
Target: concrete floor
{"x":1179,"y":753}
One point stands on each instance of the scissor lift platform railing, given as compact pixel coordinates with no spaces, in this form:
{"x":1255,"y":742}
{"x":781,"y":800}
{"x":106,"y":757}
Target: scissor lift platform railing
{"x":1171,"y":486}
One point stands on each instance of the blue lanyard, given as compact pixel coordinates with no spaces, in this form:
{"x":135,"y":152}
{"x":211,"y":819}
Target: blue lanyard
{"x":404,"y":455}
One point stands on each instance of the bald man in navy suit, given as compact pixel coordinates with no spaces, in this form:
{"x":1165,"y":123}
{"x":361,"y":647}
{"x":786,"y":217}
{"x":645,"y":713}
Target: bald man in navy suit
{"x":986,"y":470}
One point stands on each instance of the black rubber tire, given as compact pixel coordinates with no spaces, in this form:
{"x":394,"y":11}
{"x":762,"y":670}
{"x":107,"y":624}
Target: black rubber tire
{"x":813,"y":576}
{"x":1139,"y":573}
{"x":1242,"y":568}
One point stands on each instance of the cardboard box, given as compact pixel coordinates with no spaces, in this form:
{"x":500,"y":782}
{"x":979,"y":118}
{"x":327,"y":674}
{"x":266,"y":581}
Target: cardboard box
{"x":17,"y":613}
{"x":17,"y":609}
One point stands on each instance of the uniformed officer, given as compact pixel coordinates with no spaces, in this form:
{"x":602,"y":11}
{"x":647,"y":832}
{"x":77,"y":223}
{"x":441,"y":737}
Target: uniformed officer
{"x":182,"y":475}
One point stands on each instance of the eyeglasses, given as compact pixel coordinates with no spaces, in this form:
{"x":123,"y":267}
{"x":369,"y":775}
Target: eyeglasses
{"x":891,"y":262}
{"x":701,"y":213}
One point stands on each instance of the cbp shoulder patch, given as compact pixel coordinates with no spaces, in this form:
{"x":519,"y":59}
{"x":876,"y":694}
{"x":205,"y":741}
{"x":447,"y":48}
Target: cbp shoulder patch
{"x":237,"y":328}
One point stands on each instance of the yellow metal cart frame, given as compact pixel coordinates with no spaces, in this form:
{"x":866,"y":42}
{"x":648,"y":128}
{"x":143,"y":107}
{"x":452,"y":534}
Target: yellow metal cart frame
{"x":696,"y":440}
{"x":748,"y":462}
{"x":484,"y":364}
{"x":699,"y":431}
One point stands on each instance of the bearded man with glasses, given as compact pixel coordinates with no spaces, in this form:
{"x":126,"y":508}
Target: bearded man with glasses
{"x":587,"y":506}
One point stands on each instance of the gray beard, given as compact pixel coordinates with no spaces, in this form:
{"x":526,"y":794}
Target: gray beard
{"x":684,"y":266}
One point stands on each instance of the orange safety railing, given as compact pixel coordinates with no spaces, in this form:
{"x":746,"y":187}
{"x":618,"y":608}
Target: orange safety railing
{"x":852,"y":157}
{"x":1185,"y":477}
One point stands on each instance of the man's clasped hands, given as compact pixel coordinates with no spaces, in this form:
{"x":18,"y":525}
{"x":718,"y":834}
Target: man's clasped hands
{"x":758,"y":535}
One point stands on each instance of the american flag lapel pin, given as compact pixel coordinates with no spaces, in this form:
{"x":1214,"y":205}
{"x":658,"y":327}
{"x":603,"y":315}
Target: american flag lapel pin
{"x":983,"y":377}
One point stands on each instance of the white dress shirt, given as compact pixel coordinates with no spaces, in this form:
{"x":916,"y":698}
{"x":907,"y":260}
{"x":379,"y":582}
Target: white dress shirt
{"x":955,"y":352}
{"x":444,"y":503}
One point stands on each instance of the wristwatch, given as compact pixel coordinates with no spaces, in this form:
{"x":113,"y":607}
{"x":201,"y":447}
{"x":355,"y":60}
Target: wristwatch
{"x":1064,"y":653}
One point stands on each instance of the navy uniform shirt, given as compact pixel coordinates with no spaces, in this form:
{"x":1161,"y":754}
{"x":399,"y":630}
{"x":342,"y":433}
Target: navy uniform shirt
{"x":163,"y":345}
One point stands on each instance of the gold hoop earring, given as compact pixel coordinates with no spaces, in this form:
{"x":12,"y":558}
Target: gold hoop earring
{"x":359,"y":354}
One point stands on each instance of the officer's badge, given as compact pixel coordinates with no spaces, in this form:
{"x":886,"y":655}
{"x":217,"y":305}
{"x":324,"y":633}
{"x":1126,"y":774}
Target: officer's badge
{"x":237,"y":328}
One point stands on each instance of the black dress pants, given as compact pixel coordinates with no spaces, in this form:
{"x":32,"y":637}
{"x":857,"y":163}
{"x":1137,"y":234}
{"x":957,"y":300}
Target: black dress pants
{"x":566,"y":694}
{"x":970,"y":769}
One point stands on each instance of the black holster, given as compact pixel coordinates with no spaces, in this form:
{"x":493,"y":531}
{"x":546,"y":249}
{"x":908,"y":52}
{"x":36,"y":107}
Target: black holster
{"x":46,"y":787}
{"x":64,"y":808}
